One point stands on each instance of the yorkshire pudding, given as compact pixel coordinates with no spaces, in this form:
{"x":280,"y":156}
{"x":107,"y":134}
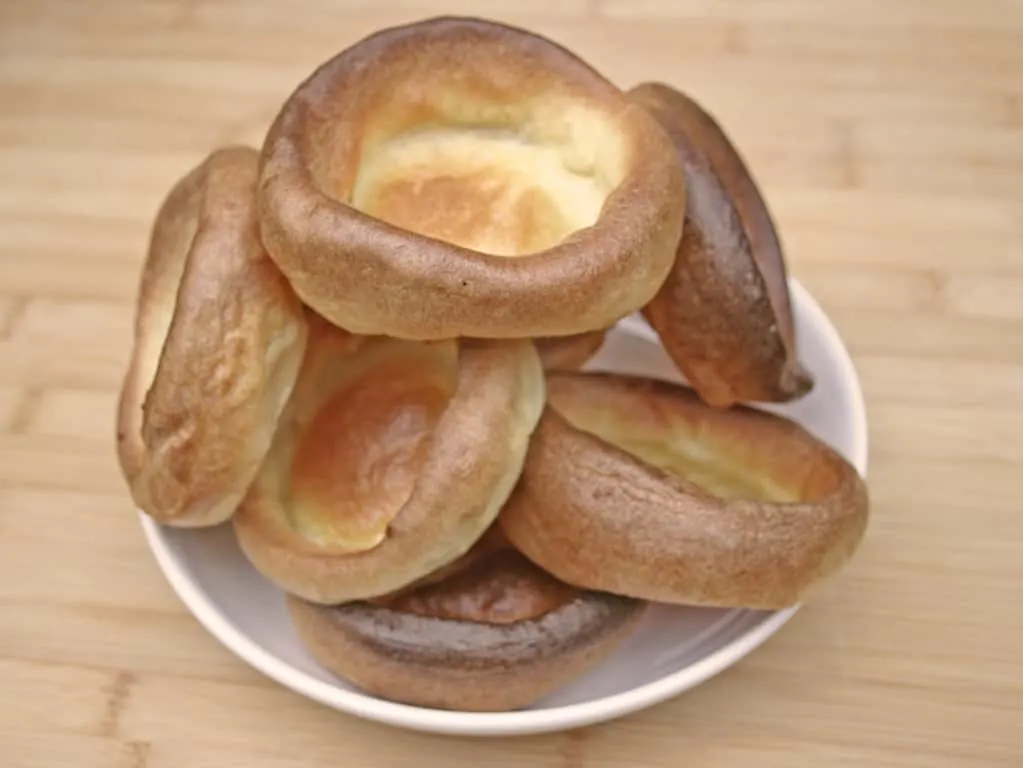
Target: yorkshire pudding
{"x":391,"y":460}
{"x":569,"y":353}
{"x":724,"y":314}
{"x":491,"y":542}
{"x":495,"y":636}
{"x":219,"y":338}
{"x":636,"y":487}
{"x":460,"y":177}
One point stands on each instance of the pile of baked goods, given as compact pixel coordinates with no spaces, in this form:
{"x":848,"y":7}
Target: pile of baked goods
{"x":363,"y":346}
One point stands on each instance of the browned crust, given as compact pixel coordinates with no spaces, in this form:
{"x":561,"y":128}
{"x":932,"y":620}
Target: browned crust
{"x":475,"y":457}
{"x":219,"y":337}
{"x":569,"y":353}
{"x":464,"y":665}
{"x":597,"y":517}
{"x":492,"y":542}
{"x":337,"y":258}
{"x":724,"y":314}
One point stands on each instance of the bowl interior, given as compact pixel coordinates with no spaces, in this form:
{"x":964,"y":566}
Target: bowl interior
{"x":673,"y":649}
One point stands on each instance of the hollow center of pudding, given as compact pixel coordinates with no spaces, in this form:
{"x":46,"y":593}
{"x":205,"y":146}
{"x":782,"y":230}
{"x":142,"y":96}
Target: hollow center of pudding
{"x":712,"y":470}
{"x":493,"y":191}
{"x":722,"y":462}
{"x":356,"y":463}
{"x":502,"y":588}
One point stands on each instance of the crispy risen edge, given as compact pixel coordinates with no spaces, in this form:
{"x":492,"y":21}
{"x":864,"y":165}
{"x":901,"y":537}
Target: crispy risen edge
{"x":219,"y":337}
{"x":338,"y":258}
{"x":474,"y":459}
{"x":724,"y":314}
{"x":464,"y":665}
{"x":597,"y":517}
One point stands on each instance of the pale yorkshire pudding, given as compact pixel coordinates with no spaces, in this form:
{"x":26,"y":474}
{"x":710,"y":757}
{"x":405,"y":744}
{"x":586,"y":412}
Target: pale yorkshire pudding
{"x":497,"y":635}
{"x":724,"y":314}
{"x":569,"y":353}
{"x":460,"y":177}
{"x":636,"y":487}
{"x":219,"y":338}
{"x":391,"y":460}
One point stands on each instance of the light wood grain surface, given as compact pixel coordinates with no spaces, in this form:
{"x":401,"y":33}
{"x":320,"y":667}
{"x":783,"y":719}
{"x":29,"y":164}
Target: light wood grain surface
{"x":888,"y":137}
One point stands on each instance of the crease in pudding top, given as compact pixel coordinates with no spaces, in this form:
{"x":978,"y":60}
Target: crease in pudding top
{"x":490,"y":190}
{"x":356,"y":463}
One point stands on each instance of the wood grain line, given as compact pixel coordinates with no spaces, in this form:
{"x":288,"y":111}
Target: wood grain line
{"x":735,"y":40}
{"x":573,"y":748}
{"x":849,"y":174}
{"x":25,"y":411}
{"x":117,"y":700}
{"x":1013,"y":110}
{"x":51,"y":485}
{"x":247,"y":129}
{"x":185,"y":14}
{"x":12,"y":316}
{"x":138,"y":752}
{"x":957,"y":458}
{"x":246,"y":679}
{"x":97,"y":609}
{"x":22,"y":301}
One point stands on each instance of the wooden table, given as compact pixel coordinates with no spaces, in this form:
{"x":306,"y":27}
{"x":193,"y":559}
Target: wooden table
{"x":889,"y":139}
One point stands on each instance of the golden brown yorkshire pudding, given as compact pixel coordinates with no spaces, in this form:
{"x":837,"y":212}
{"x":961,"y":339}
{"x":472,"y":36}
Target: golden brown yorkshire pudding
{"x":391,"y":460}
{"x":569,"y":353}
{"x":491,"y":542}
{"x":495,"y":636}
{"x":494,"y":183}
{"x":724,"y":314}
{"x":219,"y":338}
{"x":636,"y":487}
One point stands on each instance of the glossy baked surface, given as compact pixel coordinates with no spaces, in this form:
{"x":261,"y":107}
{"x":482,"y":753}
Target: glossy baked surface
{"x":363,"y":437}
{"x":391,"y":458}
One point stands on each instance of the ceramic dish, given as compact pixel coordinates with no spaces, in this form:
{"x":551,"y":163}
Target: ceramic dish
{"x":674,"y":649}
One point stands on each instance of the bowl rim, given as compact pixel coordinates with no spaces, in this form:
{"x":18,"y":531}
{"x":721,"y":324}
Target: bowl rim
{"x":563,"y":717}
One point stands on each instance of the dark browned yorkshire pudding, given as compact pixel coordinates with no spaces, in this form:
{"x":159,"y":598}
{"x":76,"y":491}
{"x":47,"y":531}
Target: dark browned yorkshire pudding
{"x":636,"y":487}
{"x":724,"y":313}
{"x":569,"y":353}
{"x":391,"y":460}
{"x":219,"y":338}
{"x":497,"y":635}
{"x":460,"y":177}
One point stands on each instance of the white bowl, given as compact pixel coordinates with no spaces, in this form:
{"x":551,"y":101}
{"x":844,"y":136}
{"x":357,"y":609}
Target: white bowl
{"x":674,"y":648}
